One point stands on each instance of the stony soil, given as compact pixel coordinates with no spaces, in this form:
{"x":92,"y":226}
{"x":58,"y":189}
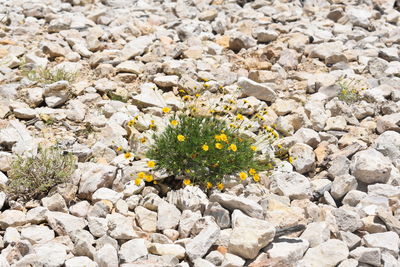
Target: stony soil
{"x":132,"y":57}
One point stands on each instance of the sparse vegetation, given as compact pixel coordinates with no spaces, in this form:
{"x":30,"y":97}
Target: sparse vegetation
{"x":350,"y":90}
{"x":47,"y":75}
{"x":33,"y":177}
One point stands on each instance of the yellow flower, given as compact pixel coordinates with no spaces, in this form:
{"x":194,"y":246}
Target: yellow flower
{"x":221,"y":137}
{"x":218,"y":146}
{"x":256,"y":178}
{"x":141,"y":175}
{"x":279,"y":146}
{"x":187,"y":171}
{"x":243,"y":175}
{"x":138,"y":181}
{"x":254,"y":148}
{"x":151,"y":164}
{"x":206,"y":85}
{"x":131,"y":122}
{"x":220,"y":186}
{"x":186,"y":98}
{"x":209,"y":185}
{"x":166,"y":109}
{"x":174,"y":122}
{"x":196,"y":95}
{"x":119,"y":148}
{"x":148,"y":178}
{"x":186,"y":182}
{"x":205,"y":147}
{"x":143,"y":140}
{"x":233,"y":147}
{"x":252,"y":171}
{"x":205,"y":79}
{"x":232,"y":125}
{"x":290,"y":159}
{"x":180,"y":138}
{"x":239,"y":117}
{"x":128,"y":155}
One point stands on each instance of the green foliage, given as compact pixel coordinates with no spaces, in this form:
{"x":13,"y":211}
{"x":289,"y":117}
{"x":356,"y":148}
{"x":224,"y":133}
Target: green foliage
{"x":204,"y":150}
{"x":350,"y":91}
{"x":33,"y":177}
{"x":47,"y":75}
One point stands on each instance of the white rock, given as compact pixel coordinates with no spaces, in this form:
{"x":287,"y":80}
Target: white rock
{"x":51,"y":254}
{"x":258,"y":90}
{"x":12,"y":218}
{"x":190,"y":197}
{"x":55,"y":203}
{"x":249,"y":235}
{"x":97,"y":226}
{"x":104,"y":193}
{"x":303,"y":158}
{"x":316,"y":233}
{"x":147,"y":219}
{"x":328,"y":254}
{"x":64,"y":223}
{"x":167,"y":249}
{"x":120,"y":227}
{"x":230,"y":202}
{"x":132,"y":250}
{"x":106,"y":256}
{"x":292,"y":185}
{"x":80,"y":261}
{"x":167,"y":81}
{"x":289,"y":249}
{"x":93,"y":176}
{"x":200,"y":244}
{"x":130,"y":67}
{"x":168,"y":216}
{"x":37,"y":234}
{"x":342,"y":185}
{"x":370,"y":256}
{"x":388,"y":241}
{"x":231,"y":260}
{"x":370,"y":166}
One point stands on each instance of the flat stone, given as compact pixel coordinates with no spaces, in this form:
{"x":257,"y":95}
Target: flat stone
{"x":258,"y":90}
{"x":231,"y":203}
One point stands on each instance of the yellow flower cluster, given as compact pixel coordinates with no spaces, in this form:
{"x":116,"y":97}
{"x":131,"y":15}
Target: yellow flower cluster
{"x":256,"y":177}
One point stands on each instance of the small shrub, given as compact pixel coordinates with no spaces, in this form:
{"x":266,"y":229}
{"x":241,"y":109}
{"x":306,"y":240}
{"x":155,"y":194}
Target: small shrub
{"x":33,"y":177}
{"x":350,"y":90}
{"x":202,"y":150}
{"x":47,"y":75}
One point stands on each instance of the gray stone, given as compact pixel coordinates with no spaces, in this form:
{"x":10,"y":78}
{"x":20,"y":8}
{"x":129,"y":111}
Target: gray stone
{"x":97,"y":226}
{"x":221,"y":215}
{"x":370,"y":256}
{"x":347,"y":220}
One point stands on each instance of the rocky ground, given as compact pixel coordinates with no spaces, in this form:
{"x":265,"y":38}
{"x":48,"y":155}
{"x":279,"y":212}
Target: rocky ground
{"x":132,"y":58}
